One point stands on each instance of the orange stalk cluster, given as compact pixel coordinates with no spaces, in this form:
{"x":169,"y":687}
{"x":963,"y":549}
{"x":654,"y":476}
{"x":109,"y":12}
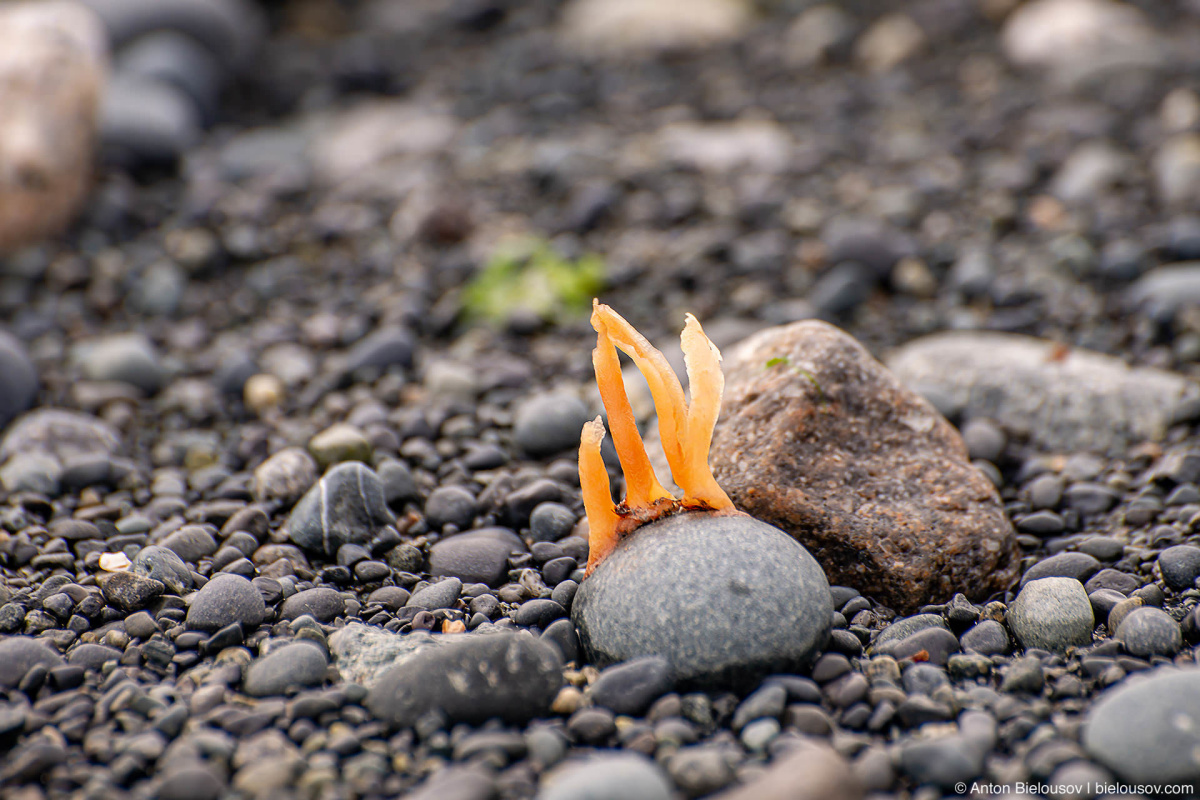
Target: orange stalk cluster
{"x":685,"y":429}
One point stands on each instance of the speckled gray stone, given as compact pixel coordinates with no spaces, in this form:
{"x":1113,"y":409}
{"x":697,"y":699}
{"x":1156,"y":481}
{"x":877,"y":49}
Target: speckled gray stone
{"x":224,"y":600}
{"x":363,"y":652}
{"x":723,"y":598}
{"x":1147,"y":728}
{"x":514,"y":677}
{"x":1053,"y":614}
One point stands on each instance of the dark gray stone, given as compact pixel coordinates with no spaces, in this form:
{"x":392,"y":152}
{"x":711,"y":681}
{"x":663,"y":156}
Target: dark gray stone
{"x":192,"y":542}
{"x":629,"y":688}
{"x":549,"y":423}
{"x":164,"y":565}
{"x":93,"y":656}
{"x":476,"y":556}
{"x":293,"y":666}
{"x":224,"y":600}
{"x":443,"y":594}
{"x":321,"y":603}
{"x":550,"y":522}
{"x":765,"y":605}
{"x":1052,"y":614}
{"x":510,"y":676}
{"x":451,"y":505}
{"x":61,"y":434}
{"x":1179,"y":565}
{"x":18,"y":379}
{"x":382,"y":349}
{"x":943,"y":762}
{"x":177,"y":59}
{"x":987,"y":638}
{"x":1147,"y":728}
{"x":347,"y":506}
{"x":19,"y":654}
{"x":1079,"y":566}
{"x":1149,"y":632}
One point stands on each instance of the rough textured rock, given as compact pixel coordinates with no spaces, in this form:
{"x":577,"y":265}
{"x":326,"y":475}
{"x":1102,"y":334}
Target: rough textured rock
{"x":1058,"y":400}
{"x":818,"y":438}
{"x":52,"y":69}
{"x":511,"y":676}
{"x":363,"y":652}
{"x":723,"y":598}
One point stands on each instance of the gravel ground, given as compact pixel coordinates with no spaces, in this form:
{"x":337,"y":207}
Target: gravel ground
{"x":289,"y":416}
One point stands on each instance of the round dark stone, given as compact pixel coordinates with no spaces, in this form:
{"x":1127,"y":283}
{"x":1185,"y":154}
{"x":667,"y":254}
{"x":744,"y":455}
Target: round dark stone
{"x":346,"y":506}
{"x":512,"y":677}
{"x":722,"y":597}
{"x":191,"y":781}
{"x":550,"y":521}
{"x":1180,"y":566}
{"x":224,"y":600}
{"x":629,"y":688}
{"x":1149,"y":632}
{"x":381,"y":350}
{"x":192,"y":542}
{"x":322,"y":604}
{"x":476,"y":556}
{"x":450,"y":505}
{"x":165,"y":566}
{"x":924,"y":678}
{"x":92,"y":656}
{"x":549,"y":423}
{"x":538,"y":613}
{"x":1114,"y":579}
{"x":293,"y":666}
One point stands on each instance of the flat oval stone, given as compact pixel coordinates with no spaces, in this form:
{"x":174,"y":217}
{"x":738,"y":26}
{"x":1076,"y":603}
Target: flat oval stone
{"x":476,"y":556}
{"x":510,"y":676}
{"x":322,"y":603}
{"x":295,"y":665}
{"x":723,"y":598}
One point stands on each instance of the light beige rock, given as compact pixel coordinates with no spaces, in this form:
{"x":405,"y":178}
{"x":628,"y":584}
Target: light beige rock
{"x":1077,"y":39}
{"x":810,"y":771}
{"x":53,"y":61}
{"x":616,"y":28}
{"x":892,"y":40}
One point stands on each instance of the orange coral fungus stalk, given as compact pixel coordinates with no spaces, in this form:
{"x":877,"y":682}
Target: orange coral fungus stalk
{"x":685,"y":428}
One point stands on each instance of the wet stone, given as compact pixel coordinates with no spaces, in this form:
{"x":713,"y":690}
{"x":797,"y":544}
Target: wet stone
{"x":799,"y":401}
{"x":450,"y":505}
{"x":639,"y":601}
{"x":1079,"y":566}
{"x":346,"y":506}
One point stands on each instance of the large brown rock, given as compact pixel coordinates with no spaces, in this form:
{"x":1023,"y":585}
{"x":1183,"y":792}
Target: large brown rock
{"x":818,"y":438}
{"x":53,"y":58}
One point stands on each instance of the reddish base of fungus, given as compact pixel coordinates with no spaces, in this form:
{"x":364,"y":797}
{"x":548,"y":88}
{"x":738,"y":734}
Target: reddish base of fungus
{"x":685,"y":429}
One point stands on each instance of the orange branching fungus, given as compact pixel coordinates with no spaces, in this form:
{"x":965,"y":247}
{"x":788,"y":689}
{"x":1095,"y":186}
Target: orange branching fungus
{"x":685,"y":429}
